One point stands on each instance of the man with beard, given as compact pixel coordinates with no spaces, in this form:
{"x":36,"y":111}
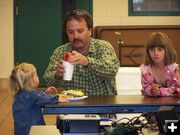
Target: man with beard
{"x":95,"y":62}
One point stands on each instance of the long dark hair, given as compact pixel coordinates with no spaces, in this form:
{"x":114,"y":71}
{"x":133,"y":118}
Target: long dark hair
{"x":160,"y":39}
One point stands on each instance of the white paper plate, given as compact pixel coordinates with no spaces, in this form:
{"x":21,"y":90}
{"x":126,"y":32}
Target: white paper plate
{"x":77,"y":98}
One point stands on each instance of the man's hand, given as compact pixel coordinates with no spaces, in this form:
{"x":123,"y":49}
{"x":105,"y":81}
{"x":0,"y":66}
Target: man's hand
{"x":78,"y":58}
{"x":60,"y":70}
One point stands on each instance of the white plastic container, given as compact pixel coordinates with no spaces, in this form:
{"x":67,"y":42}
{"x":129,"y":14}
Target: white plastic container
{"x":68,"y":68}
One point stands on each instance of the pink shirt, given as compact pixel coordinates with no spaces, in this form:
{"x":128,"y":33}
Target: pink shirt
{"x":171,"y":75}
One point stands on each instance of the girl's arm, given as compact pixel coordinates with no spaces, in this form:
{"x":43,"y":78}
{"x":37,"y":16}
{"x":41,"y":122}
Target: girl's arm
{"x":44,"y":98}
{"x":173,"y":84}
{"x":146,"y":85}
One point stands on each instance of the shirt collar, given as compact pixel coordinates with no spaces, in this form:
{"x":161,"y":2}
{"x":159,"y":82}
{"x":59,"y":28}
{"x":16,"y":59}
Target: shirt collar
{"x":69,"y":47}
{"x":92,"y":46}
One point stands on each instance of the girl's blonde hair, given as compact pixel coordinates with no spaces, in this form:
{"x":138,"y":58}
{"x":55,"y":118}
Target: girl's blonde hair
{"x":22,"y":78}
{"x":160,"y":39}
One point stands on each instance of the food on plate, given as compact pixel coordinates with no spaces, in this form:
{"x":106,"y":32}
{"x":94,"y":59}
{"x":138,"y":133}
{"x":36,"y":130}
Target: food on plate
{"x":64,"y":96}
{"x":71,"y":94}
{"x":75,"y":93}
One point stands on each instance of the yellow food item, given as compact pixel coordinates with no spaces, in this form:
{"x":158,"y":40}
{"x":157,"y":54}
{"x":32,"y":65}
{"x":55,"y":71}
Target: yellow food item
{"x":75,"y":93}
{"x":71,"y":94}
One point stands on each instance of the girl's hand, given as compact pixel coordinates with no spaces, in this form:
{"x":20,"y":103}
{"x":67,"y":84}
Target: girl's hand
{"x":63,"y":100}
{"x":51,"y":90}
{"x":156,"y":89}
{"x":178,"y":91}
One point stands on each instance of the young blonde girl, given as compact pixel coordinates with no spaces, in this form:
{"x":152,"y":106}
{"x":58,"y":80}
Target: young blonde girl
{"x":27,"y":100}
{"x":160,"y":72}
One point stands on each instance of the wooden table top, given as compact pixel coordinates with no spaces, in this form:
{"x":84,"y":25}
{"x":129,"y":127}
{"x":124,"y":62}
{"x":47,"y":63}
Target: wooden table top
{"x":118,"y":103}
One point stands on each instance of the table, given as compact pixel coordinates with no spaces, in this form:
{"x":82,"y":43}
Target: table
{"x":112,"y":104}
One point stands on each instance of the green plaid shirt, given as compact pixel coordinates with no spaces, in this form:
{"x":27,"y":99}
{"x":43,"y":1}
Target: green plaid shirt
{"x":98,"y":78}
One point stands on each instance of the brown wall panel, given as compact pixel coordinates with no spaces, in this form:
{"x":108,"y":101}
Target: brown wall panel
{"x":129,"y":41}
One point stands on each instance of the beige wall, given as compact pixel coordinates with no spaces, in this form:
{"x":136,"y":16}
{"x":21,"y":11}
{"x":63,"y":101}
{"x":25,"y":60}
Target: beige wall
{"x":6,"y":37}
{"x":115,"y":12}
{"x":105,"y":12}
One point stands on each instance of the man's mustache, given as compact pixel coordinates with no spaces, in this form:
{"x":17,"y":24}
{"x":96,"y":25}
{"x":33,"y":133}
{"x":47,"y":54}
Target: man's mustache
{"x":77,"y":40}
